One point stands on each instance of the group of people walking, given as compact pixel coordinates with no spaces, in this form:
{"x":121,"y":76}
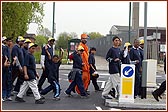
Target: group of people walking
{"x":131,"y":54}
{"x":20,"y":63}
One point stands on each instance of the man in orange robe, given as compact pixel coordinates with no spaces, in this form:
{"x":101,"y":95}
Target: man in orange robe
{"x":86,"y":67}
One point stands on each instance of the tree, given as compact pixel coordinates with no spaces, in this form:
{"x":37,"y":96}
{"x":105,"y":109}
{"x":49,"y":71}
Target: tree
{"x":94,"y":35}
{"x":16,"y":16}
{"x":73,"y":35}
{"x":62,"y":41}
{"x":40,"y":40}
{"x":44,"y":31}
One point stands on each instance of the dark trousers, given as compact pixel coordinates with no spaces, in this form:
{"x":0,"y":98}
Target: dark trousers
{"x":161,"y":89}
{"x":137,"y":83}
{"x":77,"y":81}
{"x":94,"y":82}
{"x":16,"y":73}
{"x":53,"y":86}
{"x":42,"y":79}
{"x":6,"y":83}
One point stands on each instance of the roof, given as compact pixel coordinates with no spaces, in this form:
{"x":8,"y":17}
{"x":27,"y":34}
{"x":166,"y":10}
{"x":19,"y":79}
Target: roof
{"x":126,"y":28}
{"x":30,"y":35}
{"x":122,"y":27}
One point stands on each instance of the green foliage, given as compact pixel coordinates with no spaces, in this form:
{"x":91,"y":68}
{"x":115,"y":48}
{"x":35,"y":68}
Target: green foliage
{"x":62,"y":41}
{"x":40,"y":40}
{"x":16,"y":16}
{"x":64,"y":55}
{"x":94,"y":35}
{"x":37,"y":56}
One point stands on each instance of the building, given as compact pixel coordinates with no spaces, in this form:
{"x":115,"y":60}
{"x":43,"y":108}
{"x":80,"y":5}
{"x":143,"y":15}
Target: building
{"x":156,"y":38}
{"x":156,"y":44}
{"x":30,"y":36}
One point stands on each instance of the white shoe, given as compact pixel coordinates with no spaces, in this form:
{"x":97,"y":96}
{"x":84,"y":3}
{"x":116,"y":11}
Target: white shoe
{"x":9,"y":99}
{"x":3,"y":100}
{"x":15,"y":92}
{"x":56,"y":98}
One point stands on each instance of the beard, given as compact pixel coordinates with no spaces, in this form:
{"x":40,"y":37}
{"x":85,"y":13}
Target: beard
{"x":84,"y":41}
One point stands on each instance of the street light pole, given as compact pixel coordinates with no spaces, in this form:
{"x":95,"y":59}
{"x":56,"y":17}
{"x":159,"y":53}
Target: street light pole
{"x":157,"y":43}
{"x":129,"y":20}
{"x":145,"y":30}
{"x":144,"y":65}
{"x":53,"y":19}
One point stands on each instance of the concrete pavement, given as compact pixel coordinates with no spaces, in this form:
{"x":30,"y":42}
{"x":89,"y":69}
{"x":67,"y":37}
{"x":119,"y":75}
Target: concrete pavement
{"x":101,"y":65}
{"x":148,"y":103}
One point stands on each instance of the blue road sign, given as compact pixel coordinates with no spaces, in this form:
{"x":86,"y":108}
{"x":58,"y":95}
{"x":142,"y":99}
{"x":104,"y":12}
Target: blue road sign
{"x":128,"y":71}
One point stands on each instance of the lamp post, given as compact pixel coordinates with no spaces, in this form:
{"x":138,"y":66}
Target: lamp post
{"x":129,"y":20}
{"x":53,"y":20}
{"x":144,"y":65}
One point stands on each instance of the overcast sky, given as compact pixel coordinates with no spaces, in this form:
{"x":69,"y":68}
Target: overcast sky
{"x":98,"y":16}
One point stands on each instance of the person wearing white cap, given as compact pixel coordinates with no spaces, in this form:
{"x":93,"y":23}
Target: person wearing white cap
{"x":6,"y":75}
{"x":25,"y":46}
{"x":125,"y":58}
{"x":17,"y":69}
{"x":30,"y":75}
{"x":45,"y":61}
{"x":4,"y":47}
{"x":25,"y":52}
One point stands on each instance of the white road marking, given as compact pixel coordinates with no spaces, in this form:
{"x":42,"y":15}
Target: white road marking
{"x":103,"y":83}
{"x":106,"y":74}
{"x":98,"y":108}
{"x":158,"y":76}
{"x":65,"y":74}
{"x":114,"y":109}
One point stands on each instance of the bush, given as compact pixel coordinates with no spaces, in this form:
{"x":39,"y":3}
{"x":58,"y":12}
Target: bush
{"x":64,"y":60}
{"x":37,"y":56}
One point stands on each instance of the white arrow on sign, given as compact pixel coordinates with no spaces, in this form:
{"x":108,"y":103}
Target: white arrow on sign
{"x":127,"y":72}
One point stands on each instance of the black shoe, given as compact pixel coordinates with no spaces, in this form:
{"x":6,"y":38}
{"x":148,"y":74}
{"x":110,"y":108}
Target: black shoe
{"x":88,"y":92}
{"x":112,"y":93}
{"x":40,"y":101}
{"x":155,"y":96}
{"x":19,"y":99}
{"x":98,"y":90}
{"x":12,"y":94}
{"x":42,"y":97}
{"x":68,"y":94}
{"x":56,"y":98}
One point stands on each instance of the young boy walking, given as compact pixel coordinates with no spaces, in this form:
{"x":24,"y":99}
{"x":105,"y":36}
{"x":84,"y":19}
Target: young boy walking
{"x":30,"y":75}
{"x":93,"y":74}
{"x":53,"y":75}
{"x":113,"y":57}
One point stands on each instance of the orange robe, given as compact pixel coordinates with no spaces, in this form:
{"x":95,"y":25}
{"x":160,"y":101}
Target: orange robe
{"x":85,"y":68}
